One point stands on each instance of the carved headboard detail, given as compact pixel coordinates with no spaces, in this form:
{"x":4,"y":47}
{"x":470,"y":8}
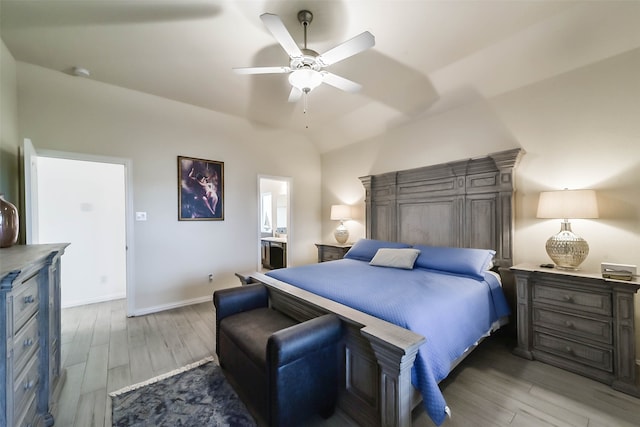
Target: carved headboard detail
{"x":466,"y":203}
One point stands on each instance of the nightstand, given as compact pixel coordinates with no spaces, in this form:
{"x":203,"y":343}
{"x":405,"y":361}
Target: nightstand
{"x":332,"y":251}
{"x":579,"y":322}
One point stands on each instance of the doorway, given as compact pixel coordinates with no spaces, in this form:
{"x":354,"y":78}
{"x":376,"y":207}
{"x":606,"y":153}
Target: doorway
{"x":274,"y":222}
{"x":83,"y":200}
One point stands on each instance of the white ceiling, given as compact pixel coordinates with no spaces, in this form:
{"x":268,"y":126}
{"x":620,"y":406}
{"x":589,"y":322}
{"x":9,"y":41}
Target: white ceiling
{"x":429,"y":55}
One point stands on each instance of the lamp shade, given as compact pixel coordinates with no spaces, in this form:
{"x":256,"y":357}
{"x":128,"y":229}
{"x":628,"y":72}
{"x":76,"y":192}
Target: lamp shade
{"x":568,"y":204}
{"x":340,"y":212}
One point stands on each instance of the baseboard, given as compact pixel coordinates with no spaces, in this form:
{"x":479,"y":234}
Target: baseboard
{"x":178,"y":304}
{"x":76,"y":303}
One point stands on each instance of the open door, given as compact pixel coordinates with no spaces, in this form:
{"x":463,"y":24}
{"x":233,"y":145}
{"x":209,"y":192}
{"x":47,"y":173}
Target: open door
{"x":274,"y":222}
{"x":30,"y":169}
{"x":98,"y":264}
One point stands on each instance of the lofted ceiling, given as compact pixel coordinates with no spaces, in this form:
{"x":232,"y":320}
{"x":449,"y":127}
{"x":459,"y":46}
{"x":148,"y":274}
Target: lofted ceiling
{"x":429,"y":56}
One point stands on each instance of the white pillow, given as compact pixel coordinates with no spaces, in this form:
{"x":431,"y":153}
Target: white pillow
{"x":396,"y":258}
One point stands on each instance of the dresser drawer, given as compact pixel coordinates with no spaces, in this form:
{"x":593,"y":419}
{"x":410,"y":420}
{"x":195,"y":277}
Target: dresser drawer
{"x":25,"y":343}
{"x":28,"y":416}
{"x":575,"y":326}
{"x":26,"y":385}
{"x":574,"y":299}
{"x":25,"y":302}
{"x":585,"y":354}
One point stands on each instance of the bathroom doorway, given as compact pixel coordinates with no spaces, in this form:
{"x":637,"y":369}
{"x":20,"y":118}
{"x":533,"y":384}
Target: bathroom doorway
{"x":274,"y":222}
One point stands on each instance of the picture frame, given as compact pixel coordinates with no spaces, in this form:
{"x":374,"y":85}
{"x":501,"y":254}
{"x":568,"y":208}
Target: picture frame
{"x":200,"y":189}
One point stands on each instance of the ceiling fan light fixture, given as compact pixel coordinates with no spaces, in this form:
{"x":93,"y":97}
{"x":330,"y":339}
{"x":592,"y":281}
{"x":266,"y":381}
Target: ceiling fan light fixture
{"x":305,"y":79}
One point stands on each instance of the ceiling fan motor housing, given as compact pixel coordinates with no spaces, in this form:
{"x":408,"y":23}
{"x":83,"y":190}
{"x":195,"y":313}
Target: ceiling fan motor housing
{"x":307,"y":60}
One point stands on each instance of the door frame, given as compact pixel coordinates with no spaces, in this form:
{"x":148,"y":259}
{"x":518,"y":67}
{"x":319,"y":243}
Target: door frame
{"x":128,"y":202}
{"x":289,"y":182}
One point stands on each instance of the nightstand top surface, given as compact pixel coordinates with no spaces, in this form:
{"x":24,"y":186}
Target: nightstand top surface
{"x":572,"y":273}
{"x":335,"y":245}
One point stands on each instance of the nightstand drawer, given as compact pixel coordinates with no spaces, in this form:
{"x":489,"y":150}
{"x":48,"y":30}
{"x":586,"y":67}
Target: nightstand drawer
{"x":596,"y":357}
{"x":577,"y":326}
{"x":332,"y":254}
{"x":574,"y":299}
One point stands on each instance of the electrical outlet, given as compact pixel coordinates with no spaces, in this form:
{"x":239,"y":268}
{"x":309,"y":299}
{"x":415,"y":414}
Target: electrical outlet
{"x":211,"y":277}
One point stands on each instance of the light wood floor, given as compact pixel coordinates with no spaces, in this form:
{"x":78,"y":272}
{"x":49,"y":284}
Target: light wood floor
{"x":103,"y":351}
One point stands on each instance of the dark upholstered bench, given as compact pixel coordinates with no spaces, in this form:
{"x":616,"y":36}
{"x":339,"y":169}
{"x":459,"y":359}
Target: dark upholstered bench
{"x":283,"y":370}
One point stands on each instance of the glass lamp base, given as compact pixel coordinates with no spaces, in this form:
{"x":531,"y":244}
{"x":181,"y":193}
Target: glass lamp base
{"x":566,"y":249}
{"x":341,"y":234}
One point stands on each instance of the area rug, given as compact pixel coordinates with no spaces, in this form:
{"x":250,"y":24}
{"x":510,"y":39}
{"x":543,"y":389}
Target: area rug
{"x":195,"y":395}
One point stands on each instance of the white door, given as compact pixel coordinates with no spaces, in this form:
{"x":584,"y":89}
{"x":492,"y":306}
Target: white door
{"x":30,"y":167}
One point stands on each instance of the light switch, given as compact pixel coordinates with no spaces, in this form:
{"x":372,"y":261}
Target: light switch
{"x":141,"y":216}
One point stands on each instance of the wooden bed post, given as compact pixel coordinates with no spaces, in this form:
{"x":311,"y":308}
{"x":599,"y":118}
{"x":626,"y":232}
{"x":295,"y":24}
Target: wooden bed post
{"x":366,"y":183}
{"x":396,"y":391}
{"x":506,"y":161}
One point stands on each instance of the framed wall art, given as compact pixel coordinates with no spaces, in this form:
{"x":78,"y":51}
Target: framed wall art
{"x":200,"y":189}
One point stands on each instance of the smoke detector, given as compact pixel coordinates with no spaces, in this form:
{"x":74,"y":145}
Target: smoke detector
{"x":80,"y":72}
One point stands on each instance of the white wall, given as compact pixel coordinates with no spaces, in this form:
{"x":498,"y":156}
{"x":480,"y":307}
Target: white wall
{"x":174,"y":258}
{"x":9,"y":142}
{"x":580,"y":129}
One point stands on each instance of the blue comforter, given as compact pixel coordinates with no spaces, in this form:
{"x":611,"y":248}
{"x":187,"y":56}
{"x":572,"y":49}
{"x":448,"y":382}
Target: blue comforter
{"x":451,"y":311}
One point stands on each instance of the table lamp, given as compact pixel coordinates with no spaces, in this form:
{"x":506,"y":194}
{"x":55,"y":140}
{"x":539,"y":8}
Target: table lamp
{"x":341,"y":213}
{"x":566,"y":249}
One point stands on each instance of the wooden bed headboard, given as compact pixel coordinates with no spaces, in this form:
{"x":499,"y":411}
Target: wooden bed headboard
{"x":466,"y":203}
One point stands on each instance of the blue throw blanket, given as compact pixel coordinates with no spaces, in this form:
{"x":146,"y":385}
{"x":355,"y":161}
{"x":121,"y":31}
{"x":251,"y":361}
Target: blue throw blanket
{"x":451,"y":311}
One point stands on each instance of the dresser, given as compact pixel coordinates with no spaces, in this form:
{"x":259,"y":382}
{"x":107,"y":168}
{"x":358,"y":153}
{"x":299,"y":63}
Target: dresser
{"x":30,"y":369}
{"x":579,"y":322}
{"x":331,"y":251}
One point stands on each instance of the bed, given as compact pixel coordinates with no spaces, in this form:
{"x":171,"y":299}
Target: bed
{"x":390,"y":352}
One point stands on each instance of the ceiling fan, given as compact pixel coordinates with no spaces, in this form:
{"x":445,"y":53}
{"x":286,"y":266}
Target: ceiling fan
{"x":306,"y":67}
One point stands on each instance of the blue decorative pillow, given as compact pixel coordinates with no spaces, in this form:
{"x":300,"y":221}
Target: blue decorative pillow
{"x":464,"y":261}
{"x":365,"y":249}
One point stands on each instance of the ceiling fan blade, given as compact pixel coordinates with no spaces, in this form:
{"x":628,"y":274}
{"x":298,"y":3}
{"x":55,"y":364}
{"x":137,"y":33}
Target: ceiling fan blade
{"x":279,"y":31}
{"x":295,"y":94}
{"x":340,"y":82}
{"x":262,"y":70}
{"x":349,"y":48}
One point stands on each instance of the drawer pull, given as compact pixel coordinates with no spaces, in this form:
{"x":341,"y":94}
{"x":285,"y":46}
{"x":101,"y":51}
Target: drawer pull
{"x":28,"y":384}
{"x":569,"y":349}
{"x":569,"y":324}
{"x":568,"y":298}
{"x":29,"y":299}
{"x":28,"y":342}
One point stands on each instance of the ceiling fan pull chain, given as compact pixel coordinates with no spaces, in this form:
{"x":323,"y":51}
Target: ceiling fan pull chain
{"x":305,"y":100}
